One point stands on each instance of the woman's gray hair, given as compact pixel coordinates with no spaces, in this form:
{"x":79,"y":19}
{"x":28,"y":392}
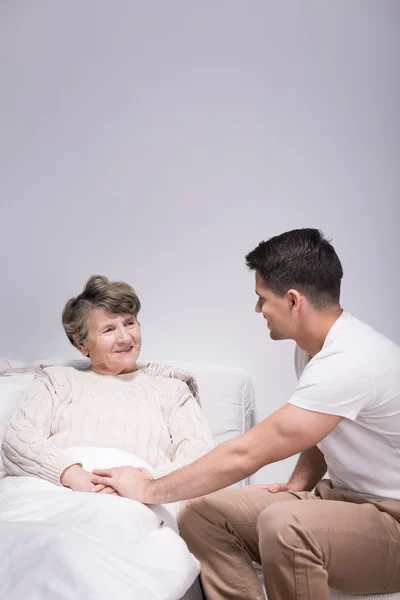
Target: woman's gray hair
{"x":115,"y":297}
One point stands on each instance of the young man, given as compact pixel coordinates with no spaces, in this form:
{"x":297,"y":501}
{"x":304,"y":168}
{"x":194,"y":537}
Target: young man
{"x":344,"y":417}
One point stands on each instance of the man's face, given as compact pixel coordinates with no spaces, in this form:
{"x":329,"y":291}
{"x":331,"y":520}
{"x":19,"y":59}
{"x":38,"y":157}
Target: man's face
{"x":275,"y":309}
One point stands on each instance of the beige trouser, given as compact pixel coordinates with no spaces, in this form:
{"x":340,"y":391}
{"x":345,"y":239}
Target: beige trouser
{"x":334,"y":538}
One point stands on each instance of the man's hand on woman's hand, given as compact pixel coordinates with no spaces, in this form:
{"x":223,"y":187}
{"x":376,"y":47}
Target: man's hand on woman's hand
{"x":129,"y":482}
{"x":80,"y":480}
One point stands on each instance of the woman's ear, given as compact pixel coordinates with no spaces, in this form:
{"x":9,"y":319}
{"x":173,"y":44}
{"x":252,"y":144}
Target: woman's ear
{"x":81,"y":347}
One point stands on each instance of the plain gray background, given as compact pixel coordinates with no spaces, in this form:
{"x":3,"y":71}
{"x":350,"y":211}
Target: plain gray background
{"x":158,"y":142}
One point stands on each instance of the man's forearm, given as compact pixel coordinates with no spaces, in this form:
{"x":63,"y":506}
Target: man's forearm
{"x":288,"y":431}
{"x":228,"y":463}
{"x":220,"y":468}
{"x":309,"y":470}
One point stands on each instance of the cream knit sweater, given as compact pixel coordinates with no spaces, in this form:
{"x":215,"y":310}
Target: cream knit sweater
{"x":155,"y":418}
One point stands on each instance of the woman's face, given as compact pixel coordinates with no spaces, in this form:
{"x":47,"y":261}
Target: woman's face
{"x":113,"y":342}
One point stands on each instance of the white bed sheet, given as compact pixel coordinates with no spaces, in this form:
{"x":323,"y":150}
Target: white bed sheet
{"x":59,"y":545}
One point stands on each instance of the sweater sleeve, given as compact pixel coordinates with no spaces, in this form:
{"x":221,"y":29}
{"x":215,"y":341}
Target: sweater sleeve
{"x":28,"y":448}
{"x":188,"y":428}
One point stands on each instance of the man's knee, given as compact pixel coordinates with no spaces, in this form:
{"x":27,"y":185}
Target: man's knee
{"x":209,"y":508}
{"x":193,"y":513}
{"x":277,"y":528}
{"x":275,"y":517}
{"x":218,"y":510}
{"x":188,"y":512}
{"x":199,"y":519}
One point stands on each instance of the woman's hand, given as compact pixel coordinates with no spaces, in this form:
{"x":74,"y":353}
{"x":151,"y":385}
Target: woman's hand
{"x":80,"y":480}
{"x":129,"y":482}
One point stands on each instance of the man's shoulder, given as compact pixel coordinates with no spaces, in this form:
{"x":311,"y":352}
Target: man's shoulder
{"x":354,"y":352}
{"x":357,"y":340}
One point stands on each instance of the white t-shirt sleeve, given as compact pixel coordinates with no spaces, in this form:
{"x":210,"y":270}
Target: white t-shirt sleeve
{"x":334,"y":384}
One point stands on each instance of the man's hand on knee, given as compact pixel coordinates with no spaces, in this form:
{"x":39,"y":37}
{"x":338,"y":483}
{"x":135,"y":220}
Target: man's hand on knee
{"x":277,"y":487}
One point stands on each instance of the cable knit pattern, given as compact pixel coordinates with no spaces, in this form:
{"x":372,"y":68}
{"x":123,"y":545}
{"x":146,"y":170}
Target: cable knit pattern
{"x":156,"y":418}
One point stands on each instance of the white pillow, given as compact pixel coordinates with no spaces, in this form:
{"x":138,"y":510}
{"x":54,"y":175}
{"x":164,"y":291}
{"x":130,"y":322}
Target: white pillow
{"x":77,"y":363}
{"x":7,"y":363}
{"x":12,"y":391}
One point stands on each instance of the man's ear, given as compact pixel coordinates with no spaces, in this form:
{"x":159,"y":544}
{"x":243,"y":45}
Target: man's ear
{"x":81,"y":347}
{"x":294,"y":299}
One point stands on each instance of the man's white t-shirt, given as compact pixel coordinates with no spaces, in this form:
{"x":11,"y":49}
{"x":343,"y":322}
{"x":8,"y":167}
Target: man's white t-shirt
{"x":356,"y":375}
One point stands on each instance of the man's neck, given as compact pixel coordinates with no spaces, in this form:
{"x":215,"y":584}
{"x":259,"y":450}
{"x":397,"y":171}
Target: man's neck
{"x":318,"y":326}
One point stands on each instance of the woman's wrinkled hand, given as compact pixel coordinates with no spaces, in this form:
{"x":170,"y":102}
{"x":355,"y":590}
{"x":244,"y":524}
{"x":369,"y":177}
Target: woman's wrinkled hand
{"x":79,"y":480}
{"x":128,"y":482}
{"x":104,"y":489}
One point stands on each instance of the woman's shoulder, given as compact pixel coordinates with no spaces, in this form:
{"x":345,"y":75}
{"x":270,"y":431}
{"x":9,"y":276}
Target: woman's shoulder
{"x":171,"y":372}
{"x":172,"y":391}
{"x":58,"y":375}
{"x":170,"y":384}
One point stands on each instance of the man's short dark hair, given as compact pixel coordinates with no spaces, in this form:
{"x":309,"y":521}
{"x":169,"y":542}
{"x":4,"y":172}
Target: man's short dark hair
{"x":301,"y":259}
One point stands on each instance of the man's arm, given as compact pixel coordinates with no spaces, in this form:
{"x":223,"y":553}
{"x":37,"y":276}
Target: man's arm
{"x":309,"y":470}
{"x":286,"y":432}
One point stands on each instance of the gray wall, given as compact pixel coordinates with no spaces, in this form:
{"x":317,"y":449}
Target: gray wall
{"x":159,"y":142}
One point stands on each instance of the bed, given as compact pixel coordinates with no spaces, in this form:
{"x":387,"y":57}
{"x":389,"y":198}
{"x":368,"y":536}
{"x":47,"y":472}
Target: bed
{"x":60,"y":544}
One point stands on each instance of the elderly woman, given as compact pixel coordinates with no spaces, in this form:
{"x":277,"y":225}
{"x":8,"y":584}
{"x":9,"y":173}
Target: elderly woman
{"x":111,"y":405}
